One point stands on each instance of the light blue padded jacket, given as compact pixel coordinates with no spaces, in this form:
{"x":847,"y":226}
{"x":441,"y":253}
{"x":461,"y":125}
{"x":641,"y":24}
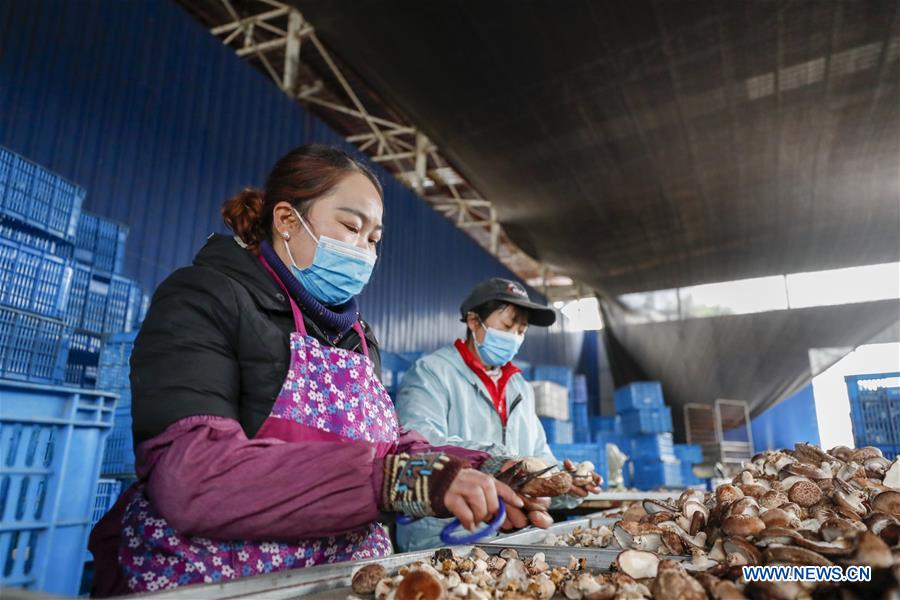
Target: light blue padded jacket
{"x":444,"y":400}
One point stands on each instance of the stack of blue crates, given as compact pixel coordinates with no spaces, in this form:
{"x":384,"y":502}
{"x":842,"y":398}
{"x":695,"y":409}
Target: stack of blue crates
{"x":39,"y":212}
{"x":102,"y":301}
{"x":578,"y":407}
{"x":646,"y":423}
{"x":55,"y":314}
{"x":114,"y":375}
{"x":689,"y":455}
{"x":875,"y":411}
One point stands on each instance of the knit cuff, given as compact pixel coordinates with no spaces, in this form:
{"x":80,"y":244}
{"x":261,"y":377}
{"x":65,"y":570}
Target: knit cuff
{"x":494,"y":464}
{"x":415,"y":485}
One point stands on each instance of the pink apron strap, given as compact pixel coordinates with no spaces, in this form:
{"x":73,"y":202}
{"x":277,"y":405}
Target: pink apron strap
{"x":299,"y":325}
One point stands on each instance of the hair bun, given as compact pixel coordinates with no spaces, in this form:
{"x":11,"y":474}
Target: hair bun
{"x":243,"y":214}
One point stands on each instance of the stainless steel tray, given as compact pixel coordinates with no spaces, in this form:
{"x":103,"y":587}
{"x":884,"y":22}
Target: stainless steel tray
{"x":333,"y":581}
{"x":533,"y":536}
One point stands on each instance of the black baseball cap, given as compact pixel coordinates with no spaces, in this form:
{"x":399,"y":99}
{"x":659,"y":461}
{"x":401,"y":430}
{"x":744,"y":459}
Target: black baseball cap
{"x":505,"y":290}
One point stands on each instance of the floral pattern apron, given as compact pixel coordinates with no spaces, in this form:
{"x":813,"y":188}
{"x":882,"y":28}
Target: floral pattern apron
{"x":329,"y":394}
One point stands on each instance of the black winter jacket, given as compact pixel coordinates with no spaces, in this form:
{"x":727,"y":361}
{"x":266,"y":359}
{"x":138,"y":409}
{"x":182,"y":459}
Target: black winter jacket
{"x":216,"y":342}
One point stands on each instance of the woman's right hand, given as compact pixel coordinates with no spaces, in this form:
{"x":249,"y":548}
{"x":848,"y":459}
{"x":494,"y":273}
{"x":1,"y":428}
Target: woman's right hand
{"x":473,"y":497}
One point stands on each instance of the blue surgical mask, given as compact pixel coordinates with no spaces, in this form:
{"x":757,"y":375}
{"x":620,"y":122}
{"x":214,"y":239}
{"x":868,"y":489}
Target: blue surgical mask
{"x":498,"y":347}
{"x":339,"y":270}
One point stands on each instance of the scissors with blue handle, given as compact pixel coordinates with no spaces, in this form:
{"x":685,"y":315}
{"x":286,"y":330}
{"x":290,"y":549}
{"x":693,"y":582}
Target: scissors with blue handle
{"x":511,"y":477}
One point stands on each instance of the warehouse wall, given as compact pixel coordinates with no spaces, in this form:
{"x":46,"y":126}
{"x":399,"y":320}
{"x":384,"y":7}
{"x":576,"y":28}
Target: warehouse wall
{"x":139,"y":104}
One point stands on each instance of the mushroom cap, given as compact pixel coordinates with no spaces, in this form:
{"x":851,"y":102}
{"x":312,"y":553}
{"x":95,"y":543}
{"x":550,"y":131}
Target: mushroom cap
{"x":776,"y":517}
{"x":860,"y":455}
{"x":871,"y":550}
{"x":638,"y":564}
{"x":805,"y":493}
{"x":754,"y":490}
{"x":728,"y":493}
{"x":420,"y":585}
{"x":892,"y":475}
{"x":672,"y":542}
{"x":749,"y":553}
{"x":777,"y":535}
{"x":888,"y":503}
{"x":366,"y":578}
{"x":773,"y":499}
{"x":745,"y":506}
{"x":655,"y":506}
{"x":838,"y":547}
{"x":673,"y":583}
{"x":806,"y":470}
{"x":795,"y":555}
{"x":809,"y":454}
{"x":742,"y":525}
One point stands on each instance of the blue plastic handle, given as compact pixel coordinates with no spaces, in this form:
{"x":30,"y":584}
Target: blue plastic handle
{"x":469,"y":538}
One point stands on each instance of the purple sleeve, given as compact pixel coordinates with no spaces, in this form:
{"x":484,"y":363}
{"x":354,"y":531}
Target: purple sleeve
{"x":412,"y":442}
{"x":207,"y":479}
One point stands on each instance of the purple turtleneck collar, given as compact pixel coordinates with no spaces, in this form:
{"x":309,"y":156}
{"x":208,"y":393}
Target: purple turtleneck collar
{"x":338,"y":319}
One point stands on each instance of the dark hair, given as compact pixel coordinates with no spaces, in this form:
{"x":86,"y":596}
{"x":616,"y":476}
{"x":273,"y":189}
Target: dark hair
{"x":300,"y":177}
{"x":483,"y":311}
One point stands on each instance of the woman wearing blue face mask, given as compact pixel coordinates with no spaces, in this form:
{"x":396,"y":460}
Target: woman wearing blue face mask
{"x":264,"y":438}
{"x":470,"y":394}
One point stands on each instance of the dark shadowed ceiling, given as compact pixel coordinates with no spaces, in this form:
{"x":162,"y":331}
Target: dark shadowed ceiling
{"x":641,"y":145}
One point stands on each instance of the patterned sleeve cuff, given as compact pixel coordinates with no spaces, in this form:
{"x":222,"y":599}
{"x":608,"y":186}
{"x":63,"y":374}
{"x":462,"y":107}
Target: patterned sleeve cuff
{"x":415,"y":485}
{"x":494,"y":464}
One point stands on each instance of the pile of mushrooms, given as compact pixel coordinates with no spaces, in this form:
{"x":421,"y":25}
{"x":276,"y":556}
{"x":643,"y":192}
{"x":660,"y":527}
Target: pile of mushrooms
{"x":480,"y":576}
{"x":790,"y":507}
{"x":799,"y":507}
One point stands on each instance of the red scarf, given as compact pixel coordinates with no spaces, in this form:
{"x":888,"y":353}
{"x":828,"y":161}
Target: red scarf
{"x":496,"y":390}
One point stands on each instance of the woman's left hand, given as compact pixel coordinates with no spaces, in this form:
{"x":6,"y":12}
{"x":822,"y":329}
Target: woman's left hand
{"x":582,"y":491}
{"x":534,"y":513}
{"x":584,"y":480}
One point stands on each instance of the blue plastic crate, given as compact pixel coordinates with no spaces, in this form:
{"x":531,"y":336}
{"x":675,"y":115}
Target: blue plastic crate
{"x":872,"y":400}
{"x":6,"y":161}
{"x":114,"y":370}
{"x":648,"y":420}
{"x":689,"y":453}
{"x":558,"y":432}
{"x":83,"y":359}
{"x":26,"y":235}
{"x":32,"y":348}
{"x":117,"y":316}
{"x":638,"y":395}
{"x":81,"y":279}
{"x":108,"y":491}
{"x":118,"y":457}
{"x":658,"y":446}
{"x":38,"y":198}
{"x":52,"y":440}
{"x":18,"y":190}
{"x":648,"y":475}
{"x":32,"y":280}
{"x":606,"y":424}
{"x":579,"y":389}
{"x":561,"y":375}
{"x":100,"y":243}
